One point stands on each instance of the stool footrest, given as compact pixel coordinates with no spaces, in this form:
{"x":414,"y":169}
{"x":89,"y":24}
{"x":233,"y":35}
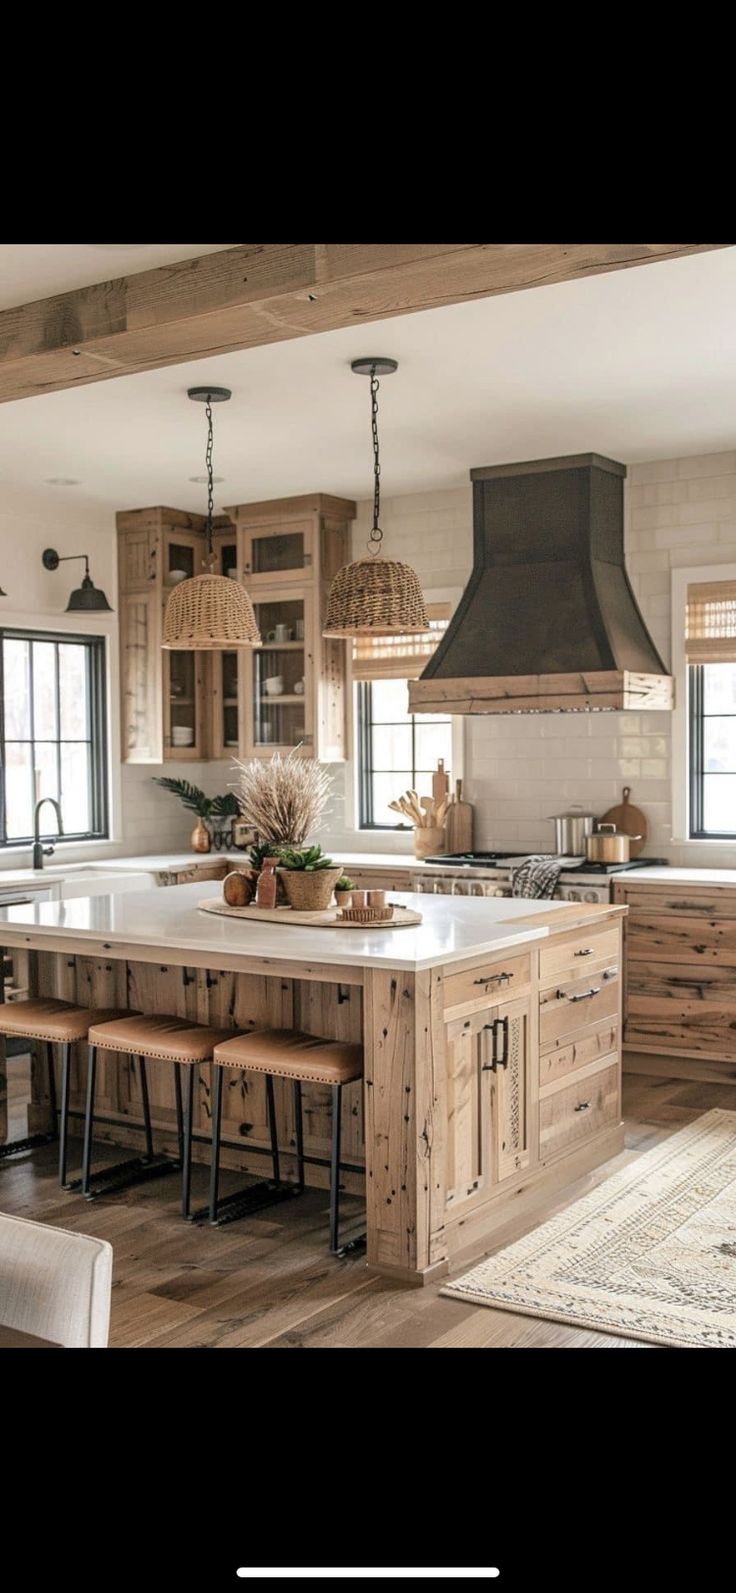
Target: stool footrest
{"x":255,"y":1198}
{"x":352,"y":1245}
{"x":135,"y":1171}
{"x":31,"y":1142}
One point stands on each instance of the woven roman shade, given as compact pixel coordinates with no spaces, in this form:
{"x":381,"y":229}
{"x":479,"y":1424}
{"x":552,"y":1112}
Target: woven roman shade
{"x":399,"y":657}
{"x":710,"y":633}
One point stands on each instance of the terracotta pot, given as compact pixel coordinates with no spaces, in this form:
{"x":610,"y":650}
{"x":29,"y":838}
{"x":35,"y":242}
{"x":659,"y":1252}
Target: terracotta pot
{"x":343,"y":898}
{"x":201,"y":840}
{"x":309,"y":892}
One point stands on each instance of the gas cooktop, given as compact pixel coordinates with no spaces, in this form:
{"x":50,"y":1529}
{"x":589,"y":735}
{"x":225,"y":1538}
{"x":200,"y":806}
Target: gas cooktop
{"x":568,"y":864}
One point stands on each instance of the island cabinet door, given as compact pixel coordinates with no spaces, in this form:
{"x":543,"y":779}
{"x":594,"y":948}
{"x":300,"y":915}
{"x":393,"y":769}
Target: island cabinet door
{"x":488,"y":1071}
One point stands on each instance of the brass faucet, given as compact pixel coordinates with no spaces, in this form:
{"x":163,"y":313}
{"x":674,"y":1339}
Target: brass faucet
{"x":39,"y":851}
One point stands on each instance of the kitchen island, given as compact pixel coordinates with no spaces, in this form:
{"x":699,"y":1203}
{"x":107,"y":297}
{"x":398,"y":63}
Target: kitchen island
{"x":491,"y":1037}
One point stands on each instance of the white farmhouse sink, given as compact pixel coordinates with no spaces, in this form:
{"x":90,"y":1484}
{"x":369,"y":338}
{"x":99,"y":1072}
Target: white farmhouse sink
{"x":90,"y":882}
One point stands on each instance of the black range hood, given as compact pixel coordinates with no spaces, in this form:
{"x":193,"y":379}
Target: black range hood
{"x":548,"y":621}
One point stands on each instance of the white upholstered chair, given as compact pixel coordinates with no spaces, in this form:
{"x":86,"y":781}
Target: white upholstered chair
{"x":55,"y":1284}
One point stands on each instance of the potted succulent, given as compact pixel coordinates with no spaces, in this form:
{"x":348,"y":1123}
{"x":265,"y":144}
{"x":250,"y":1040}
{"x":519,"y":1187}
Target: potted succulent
{"x":309,"y":877}
{"x":190,"y":796}
{"x":344,"y":891}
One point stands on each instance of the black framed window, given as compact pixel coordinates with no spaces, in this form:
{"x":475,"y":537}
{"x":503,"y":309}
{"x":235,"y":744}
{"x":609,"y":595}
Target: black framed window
{"x":712,"y":713}
{"x":53,"y":734}
{"x":397,"y":750}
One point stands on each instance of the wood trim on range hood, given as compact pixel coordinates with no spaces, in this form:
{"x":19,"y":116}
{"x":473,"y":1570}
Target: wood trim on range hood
{"x":548,"y":622}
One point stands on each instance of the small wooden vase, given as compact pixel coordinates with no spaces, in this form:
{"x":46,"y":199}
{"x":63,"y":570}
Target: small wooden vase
{"x":201,"y":840}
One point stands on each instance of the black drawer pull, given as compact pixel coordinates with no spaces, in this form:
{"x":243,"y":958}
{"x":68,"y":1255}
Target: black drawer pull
{"x":489,"y":979}
{"x":610,"y":973}
{"x":587,"y":953}
{"x":583,"y":1107}
{"x":689,"y":907}
{"x":595,"y":990}
{"x":497,"y":1061}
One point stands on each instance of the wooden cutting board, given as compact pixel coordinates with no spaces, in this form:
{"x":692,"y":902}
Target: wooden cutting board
{"x":630,"y":820}
{"x":459,"y":823}
{"x":440,"y":781}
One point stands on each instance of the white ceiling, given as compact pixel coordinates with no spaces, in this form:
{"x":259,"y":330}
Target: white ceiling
{"x":637,"y":364}
{"x":31,"y":271}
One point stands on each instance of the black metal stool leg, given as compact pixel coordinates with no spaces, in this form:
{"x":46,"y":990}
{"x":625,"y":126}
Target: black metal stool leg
{"x":186,"y":1161}
{"x":66,"y":1054}
{"x":217,"y":1083}
{"x":335,"y":1166}
{"x":146,"y":1109}
{"x":274,"y":1128}
{"x":179,"y":1111}
{"x":89,"y":1117}
{"x":52,"y":1080}
{"x":299,"y":1120}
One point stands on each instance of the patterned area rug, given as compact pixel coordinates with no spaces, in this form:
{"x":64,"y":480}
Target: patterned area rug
{"x":650,"y":1254}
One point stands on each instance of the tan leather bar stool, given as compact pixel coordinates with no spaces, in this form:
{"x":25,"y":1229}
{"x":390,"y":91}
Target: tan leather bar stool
{"x":160,"y":1039}
{"x":285,"y":1054}
{"x":57,"y":1023}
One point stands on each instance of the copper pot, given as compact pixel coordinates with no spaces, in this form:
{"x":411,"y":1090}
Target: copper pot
{"x":609,"y":845}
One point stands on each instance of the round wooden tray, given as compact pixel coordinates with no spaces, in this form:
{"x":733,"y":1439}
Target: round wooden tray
{"x":403,"y":917}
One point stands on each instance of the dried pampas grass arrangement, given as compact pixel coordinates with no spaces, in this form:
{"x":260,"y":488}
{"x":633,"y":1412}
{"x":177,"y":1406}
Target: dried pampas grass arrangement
{"x":282,"y":798}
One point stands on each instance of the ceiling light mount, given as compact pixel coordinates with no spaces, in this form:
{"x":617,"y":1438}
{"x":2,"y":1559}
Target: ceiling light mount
{"x":209,"y":395}
{"x":374,"y":366}
{"x":86,"y":598}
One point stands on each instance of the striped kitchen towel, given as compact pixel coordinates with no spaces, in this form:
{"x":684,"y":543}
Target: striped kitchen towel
{"x":536,"y":876}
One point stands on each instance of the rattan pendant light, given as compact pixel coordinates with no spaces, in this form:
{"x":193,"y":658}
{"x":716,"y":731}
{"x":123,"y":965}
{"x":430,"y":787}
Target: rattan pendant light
{"x":209,"y":612}
{"x":375,"y":596}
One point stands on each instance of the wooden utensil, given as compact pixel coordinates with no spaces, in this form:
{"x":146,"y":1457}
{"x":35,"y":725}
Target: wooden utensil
{"x":440,"y":781}
{"x":630,"y":820}
{"x":459,"y":823}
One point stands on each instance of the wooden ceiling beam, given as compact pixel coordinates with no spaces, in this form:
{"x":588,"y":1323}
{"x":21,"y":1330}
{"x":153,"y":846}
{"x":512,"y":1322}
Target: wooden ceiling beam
{"x":255,"y":294}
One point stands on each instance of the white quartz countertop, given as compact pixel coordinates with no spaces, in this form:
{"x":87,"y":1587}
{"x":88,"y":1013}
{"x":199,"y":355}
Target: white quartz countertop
{"x":453,"y":928}
{"x":678,"y":876}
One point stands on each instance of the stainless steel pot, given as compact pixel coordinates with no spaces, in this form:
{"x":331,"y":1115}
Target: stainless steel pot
{"x":571,"y":830}
{"x":609,"y":845}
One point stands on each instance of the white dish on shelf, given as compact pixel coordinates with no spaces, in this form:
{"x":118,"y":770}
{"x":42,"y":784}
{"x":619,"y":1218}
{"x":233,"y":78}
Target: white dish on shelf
{"x":175,"y":576}
{"x":182,"y":736}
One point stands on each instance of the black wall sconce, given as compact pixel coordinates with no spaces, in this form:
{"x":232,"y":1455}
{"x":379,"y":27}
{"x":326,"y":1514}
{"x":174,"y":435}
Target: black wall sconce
{"x":84,"y":598}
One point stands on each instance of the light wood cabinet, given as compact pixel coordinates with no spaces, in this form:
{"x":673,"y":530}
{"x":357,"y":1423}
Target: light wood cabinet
{"x":680,"y":979}
{"x":488,"y":1101}
{"x":287,"y":552}
{"x":192,"y":706}
{"x":161,"y":692}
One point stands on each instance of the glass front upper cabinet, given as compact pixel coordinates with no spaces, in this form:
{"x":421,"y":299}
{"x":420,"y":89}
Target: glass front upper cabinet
{"x":273,"y":554}
{"x":182,"y":671}
{"x":226,"y":693}
{"x":281,"y":683}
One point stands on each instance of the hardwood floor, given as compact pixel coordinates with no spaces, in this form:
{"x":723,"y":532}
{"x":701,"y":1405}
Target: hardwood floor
{"x":269,"y":1280}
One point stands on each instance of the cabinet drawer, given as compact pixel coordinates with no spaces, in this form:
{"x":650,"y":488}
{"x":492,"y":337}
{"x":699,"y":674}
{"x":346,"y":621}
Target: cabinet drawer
{"x":589,"y":1045}
{"x":679,"y":937}
{"x":578,"y":954}
{"x":584,"y":1107}
{"x":681,"y":1007}
{"x":720,"y":902}
{"x":475,"y":987}
{"x":573,"y":1005}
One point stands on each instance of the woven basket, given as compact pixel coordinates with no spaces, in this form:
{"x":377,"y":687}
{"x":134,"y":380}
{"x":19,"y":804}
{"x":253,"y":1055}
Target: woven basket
{"x":209,"y":612}
{"x":309,"y":892}
{"x":367,"y":915}
{"x":378,"y":596}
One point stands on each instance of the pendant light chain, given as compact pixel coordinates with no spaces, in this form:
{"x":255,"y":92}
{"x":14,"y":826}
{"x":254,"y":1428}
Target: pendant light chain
{"x":376,"y":536}
{"x":210,"y":479}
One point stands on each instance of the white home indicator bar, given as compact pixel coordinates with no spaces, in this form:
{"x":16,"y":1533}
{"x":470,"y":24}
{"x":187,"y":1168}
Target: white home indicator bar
{"x":368,"y":1571}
